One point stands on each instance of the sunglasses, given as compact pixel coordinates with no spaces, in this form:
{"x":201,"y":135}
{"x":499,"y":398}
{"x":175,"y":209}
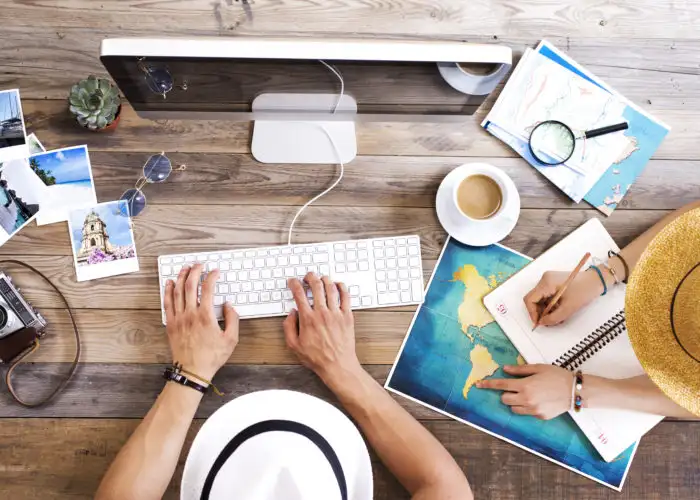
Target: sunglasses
{"x":156,"y":169}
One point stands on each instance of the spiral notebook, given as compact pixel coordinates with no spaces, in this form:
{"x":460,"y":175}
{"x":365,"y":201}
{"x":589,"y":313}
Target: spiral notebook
{"x":594,"y":340}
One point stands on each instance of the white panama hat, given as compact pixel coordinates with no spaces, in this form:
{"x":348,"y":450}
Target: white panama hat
{"x":278,"y":445}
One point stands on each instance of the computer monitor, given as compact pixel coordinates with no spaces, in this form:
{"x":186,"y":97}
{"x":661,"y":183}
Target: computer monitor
{"x":281,"y":83}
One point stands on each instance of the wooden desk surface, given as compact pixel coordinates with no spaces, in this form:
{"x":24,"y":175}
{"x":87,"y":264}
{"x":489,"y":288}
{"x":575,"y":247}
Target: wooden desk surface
{"x":647,"y":49}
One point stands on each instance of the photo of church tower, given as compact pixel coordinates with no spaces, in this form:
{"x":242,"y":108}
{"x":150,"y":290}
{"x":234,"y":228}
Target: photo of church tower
{"x":95,"y":237}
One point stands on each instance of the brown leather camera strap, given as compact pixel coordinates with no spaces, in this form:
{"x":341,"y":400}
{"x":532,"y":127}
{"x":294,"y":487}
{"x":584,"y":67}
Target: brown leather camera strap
{"x":35,"y":346}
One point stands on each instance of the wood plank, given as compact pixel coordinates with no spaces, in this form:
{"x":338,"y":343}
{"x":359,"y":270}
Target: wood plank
{"x":250,"y":226}
{"x":406,"y":181}
{"x":54,"y":126}
{"x":134,"y":336}
{"x":59,"y":458}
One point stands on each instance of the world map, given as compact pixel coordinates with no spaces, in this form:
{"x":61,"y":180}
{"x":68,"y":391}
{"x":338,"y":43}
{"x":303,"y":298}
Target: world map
{"x":454,"y":342}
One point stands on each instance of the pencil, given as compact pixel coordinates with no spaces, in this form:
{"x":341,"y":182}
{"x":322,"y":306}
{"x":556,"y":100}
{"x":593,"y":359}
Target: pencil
{"x":561,"y":291}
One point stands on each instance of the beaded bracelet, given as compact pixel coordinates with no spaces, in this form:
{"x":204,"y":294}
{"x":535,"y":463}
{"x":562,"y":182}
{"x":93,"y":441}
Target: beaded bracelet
{"x":578,"y":387}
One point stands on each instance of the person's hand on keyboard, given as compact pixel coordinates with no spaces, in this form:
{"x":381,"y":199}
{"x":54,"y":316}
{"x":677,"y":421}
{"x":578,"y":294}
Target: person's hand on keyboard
{"x":323,"y":335}
{"x":196,"y":340}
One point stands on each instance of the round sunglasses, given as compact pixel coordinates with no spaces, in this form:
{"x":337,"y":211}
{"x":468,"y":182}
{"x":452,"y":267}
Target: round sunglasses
{"x":156,"y":169}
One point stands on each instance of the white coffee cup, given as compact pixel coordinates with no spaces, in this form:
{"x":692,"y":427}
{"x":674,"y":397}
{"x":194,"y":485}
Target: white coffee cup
{"x":486,"y":170}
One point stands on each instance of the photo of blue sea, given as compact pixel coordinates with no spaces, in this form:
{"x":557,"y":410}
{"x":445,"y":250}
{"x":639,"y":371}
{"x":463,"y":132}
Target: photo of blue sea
{"x":435,"y":362}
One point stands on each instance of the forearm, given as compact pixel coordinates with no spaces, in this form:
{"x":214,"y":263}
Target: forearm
{"x":145,"y":465}
{"x":417,"y":459}
{"x":637,"y":393}
{"x":632,"y":252}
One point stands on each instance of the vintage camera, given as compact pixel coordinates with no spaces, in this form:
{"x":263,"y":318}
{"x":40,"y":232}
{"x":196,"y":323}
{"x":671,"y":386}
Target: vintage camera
{"x":20,"y":324}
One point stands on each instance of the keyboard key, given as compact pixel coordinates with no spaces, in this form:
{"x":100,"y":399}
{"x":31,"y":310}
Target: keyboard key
{"x":339,"y":256}
{"x":286,"y":251}
{"x":366,"y":301}
{"x":222,"y":289}
{"x":380,"y":275}
{"x":274,"y":251}
{"x":270,"y":284}
{"x":250,"y":253}
{"x":236,"y":265}
{"x":281,"y":284}
{"x":287,"y":294}
{"x":352,"y":267}
{"x":254,"y":274}
{"x":405,"y":297}
{"x":403,"y":262}
{"x":289,"y":272}
{"x":321,"y":248}
{"x":361,"y":244}
{"x":324,"y":270}
{"x":232,"y":276}
{"x":265,"y":297}
{"x":260,"y":309}
{"x":213,"y":256}
{"x":258,"y":285}
{"x":259,"y":263}
{"x":413,"y":251}
{"x":238,"y":255}
{"x":355,"y":302}
{"x":400,"y":241}
{"x":266,"y":274}
{"x":298,"y":250}
{"x":282,"y":260}
{"x":262,"y":253}
{"x":224,"y":265}
{"x":253,"y":297}
{"x":176,"y":270}
{"x":218,"y":300}
{"x":294,"y":260}
{"x":378,"y":243}
{"x":300,"y":271}
{"x":378,"y":253}
{"x":242,"y":275}
{"x":403,"y":274}
{"x":392,"y":275}
{"x":248,"y":264}
{"x":277,"y":272}
{"x":404,"y":285}
{"x":362,"y":255}
{"x":415,"y":273}
{"x":389,"y":241}
{"x":391,"y":263}
{"x":320,"y":258}
{"x":413,"y":240}
{"x":364,"y":265}
{"x":289,"y":305}
{"x":312,"y":269}
{"x":340,"y":268}
{"x":417,"y":289}
{"x":241,"y":298}
{"x":351,"y":255}
{"x":165,"y":270}
{"x":381,"y":287}
{"x":234,"y":287}
{"x":393,"y":286}
{"x":380,"y":264}
{"x":276,"y":295}
{"x":270,"y":262}
{"x":231,"y":299}
{"x":401,"y":251}
{"x":306,"y":259}
{"x":165,"y":260}
{"x":178,"y":260}
{"x":354,"y":291}
{"x":414,"y":261}
{"x":246,"y":286}
{"x":339,"y":246}
{"x":390,"y":252}
{"x":350,"y":245}
{"x":201,"y":258}
{"x":387,"y":298}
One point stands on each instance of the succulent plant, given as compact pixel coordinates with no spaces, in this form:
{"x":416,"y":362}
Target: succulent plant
{"x":94,"y":102}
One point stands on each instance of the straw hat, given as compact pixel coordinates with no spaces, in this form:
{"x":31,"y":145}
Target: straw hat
{"x":663,"y":310}
{"x":278,"y":445}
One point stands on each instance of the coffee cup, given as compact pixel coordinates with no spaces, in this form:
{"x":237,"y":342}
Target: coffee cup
{"x":480,"y":195}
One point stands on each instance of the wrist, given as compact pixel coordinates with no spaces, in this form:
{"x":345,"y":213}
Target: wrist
{"x":342,"y":378}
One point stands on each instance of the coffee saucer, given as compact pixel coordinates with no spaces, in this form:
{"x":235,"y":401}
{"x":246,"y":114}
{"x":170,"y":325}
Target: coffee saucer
{"x":474,"y":232}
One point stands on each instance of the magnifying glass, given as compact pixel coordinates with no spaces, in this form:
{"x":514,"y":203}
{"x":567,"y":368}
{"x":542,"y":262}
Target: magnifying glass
{"x":553,"y":142}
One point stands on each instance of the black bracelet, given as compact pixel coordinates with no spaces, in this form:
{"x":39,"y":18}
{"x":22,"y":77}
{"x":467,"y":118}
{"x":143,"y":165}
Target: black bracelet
{"x":624,"y":264}
{"x":172,"y":375}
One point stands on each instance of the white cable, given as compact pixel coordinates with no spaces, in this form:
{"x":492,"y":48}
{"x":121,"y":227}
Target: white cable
{"x":335,"y":149}
{"x":332,"y":186}
{"x":333,"y":70}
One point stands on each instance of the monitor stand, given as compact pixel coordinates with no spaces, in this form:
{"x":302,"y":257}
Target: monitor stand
{"x":290,"y":140}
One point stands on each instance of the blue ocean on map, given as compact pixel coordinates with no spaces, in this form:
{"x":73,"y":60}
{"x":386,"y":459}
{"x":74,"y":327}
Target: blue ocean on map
{"x":435,"y":363}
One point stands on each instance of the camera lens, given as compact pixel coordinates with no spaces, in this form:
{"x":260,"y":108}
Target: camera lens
{"x":3,"y":317}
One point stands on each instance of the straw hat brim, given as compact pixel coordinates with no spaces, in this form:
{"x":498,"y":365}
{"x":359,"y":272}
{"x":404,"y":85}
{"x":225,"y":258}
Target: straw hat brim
{"x":668,"y":259}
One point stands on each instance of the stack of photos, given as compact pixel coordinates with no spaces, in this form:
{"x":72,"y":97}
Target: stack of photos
{"x":13,"y":136}
{"x":102,"y":241}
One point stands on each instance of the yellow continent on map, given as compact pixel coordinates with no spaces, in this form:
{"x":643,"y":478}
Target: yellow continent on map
{"x":483,"y":366}
{"x":471,"y":311}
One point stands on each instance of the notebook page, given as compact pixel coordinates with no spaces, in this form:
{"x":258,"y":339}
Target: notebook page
{"x":610,"y":431}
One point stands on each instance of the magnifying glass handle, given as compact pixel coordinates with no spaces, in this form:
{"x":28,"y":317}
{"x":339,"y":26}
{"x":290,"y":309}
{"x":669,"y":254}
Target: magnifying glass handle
{"x":606,"y":130}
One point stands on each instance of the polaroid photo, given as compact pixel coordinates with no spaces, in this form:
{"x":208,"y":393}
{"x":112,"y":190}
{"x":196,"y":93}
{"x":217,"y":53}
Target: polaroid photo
{"x":13,"y":135}
{"x":68,"y":176}
{"x":22,"y":195}
{"x":102,"y":240}
{"x":34,"y":144}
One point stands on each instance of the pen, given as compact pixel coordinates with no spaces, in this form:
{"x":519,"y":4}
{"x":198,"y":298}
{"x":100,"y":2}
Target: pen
{"x":561,"y":291}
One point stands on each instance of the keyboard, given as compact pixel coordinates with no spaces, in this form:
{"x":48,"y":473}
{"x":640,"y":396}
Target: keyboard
{"x":379,"y":272}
